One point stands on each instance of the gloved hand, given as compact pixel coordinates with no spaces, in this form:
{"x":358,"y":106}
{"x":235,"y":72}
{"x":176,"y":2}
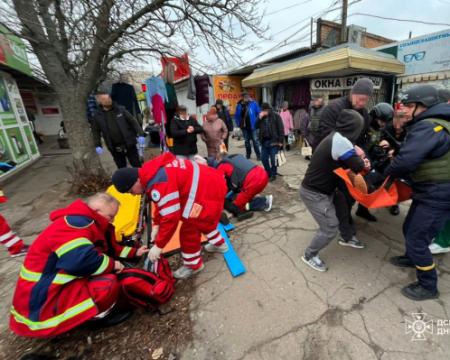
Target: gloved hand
{"x":155,"y":230}
{"x":99,"y":150}
{"x":141,"y":140}
{"x":154,"y":253}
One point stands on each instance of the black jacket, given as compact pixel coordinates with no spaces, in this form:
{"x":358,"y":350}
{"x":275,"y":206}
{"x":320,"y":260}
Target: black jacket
{"x":224,"y":114}
{"x":128,"y":125}
{"x":422,"y":142}
{"x":184,"y":143}
{"x":276,"y":128}
{"x":331,"y":113}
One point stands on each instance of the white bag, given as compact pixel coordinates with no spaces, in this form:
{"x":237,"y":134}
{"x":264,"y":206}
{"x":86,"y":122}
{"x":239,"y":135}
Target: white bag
{"x":280,"y":158}
{"x":306,"y":149}
{"x":291,"y":138}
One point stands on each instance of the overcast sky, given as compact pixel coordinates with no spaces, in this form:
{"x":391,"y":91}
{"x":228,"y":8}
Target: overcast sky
{"x":286,"y":18}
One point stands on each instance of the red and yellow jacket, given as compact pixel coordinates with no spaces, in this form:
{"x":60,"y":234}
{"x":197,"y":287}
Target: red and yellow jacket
{"x":182,"y":190}
{"x":51,"y":295}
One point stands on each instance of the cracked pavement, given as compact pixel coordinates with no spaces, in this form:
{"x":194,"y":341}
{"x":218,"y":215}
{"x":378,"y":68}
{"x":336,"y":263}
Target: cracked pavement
{"x":282,"y":309}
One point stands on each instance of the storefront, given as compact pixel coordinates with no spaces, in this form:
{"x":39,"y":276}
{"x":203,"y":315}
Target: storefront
{"x":426,"y":59}
{"x":329,"y":73}
{"x":17,"y":143}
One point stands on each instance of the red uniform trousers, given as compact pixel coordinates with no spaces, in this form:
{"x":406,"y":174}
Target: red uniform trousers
{"x":8,"y":237}
{"x":254,"y":183}
{"x":104,"y":290}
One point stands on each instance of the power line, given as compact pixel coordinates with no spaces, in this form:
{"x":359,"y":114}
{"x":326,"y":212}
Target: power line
{"x":289,"y":7}
{"x":402,"y":20}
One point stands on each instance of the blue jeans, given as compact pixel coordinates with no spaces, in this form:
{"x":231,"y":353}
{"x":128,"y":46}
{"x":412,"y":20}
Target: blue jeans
{"x":251,"y":136}
{"x":268,"y":154}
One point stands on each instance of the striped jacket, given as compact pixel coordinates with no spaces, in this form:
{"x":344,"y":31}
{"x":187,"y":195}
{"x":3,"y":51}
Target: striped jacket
{"x":51,"y":295}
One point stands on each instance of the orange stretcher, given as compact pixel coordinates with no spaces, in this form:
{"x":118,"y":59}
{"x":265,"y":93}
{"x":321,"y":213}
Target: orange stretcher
{"x":388,"y":194}
{"x":132,"y":220}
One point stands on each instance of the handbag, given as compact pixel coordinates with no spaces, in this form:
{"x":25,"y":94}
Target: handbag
{"x":291,"y":138}
{"x":306,"y":149}
{"x":280,"y":158}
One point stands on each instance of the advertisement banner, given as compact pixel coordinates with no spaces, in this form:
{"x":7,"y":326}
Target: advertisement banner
{"x":425,"y":54}
{"x":13,"y":51}
{"x":17,"y":144}
{"x":228,"y":89}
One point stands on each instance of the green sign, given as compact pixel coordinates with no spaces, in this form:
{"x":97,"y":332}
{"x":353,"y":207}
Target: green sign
{"x":17,"y":145}
{"x":30,"y":139}
{"x":13,"y":52}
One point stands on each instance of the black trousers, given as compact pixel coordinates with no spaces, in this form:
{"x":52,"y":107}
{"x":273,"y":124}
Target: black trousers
{"x":130,"y":153}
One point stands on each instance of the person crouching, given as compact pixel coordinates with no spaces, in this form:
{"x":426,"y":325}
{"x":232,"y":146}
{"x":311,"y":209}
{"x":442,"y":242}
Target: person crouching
{"x":181,"y":191}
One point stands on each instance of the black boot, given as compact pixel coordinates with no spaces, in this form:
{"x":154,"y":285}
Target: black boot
{"x":116,"y":317}
{"x":394,"y":210}
{"x":402,"y":261}
{"x":238,"y":213}
{"x":364,"y":213}
{"x":417,"y":292}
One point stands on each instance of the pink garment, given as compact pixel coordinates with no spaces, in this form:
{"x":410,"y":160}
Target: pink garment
{"x":215,"y":133}
{"x":288,"y":122}
{"x":158,"y":109}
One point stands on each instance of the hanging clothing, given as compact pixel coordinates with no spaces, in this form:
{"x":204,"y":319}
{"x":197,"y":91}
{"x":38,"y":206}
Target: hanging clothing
{"x":155,"y":86}
{"x":124,"y":94}
{"x":172,"y":101}
{"x":158,"y":109}
{"x":92,"y":107}
{"x":191,"y":87}
{"x":202,"y":84}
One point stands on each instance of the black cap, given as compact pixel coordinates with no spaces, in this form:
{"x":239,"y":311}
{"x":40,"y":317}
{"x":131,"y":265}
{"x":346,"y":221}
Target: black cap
{"x":124,"y":179}
{"x":350,"y":124}
{"x":219,"y":102}
{"x":266,"y":106}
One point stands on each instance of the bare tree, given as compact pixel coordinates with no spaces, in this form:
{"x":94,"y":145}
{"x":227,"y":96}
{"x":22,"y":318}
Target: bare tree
{"x":77,"y":42}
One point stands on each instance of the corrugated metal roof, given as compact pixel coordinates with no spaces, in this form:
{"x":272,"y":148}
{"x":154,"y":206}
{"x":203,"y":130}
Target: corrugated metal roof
{"x":335,"y":59}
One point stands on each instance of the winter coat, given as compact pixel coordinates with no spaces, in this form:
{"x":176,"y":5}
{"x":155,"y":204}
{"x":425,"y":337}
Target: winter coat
{"x":51,"y":295}
{"x":424,"y":141}
{"x":288,"y":122}
{"x":182,"y":191}
{"x":253,"y":111}
{"x":224,"y":114}
{"x":275,"y":126}
{"x":215,"y":132}
{"x":128,"y":125}
{"x":331,"y":113}
{"x":185,"y":143}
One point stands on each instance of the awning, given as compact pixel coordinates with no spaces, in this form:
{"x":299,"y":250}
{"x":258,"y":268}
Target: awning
{"x":410,"y":79}
{"x":345,"y":57}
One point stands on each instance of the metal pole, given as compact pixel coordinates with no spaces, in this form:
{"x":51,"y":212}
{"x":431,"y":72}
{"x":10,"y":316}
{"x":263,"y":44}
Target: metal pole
{"x":344,"y":22}
{"x":312,"y":24}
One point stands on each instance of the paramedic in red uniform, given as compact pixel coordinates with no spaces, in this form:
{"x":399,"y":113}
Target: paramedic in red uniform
{"x":68,"y":275}
{"x":247,"y":180}
{"x":182,"y":190}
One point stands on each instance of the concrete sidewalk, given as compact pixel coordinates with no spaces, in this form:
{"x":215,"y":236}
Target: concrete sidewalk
{"x":282,"y":309}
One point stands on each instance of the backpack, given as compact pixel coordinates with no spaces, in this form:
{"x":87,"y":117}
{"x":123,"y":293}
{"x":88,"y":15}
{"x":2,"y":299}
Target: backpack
{"x":148,"y":289}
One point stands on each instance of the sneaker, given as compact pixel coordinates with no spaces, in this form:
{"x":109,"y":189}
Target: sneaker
{"x":394,"y":210}
{"x":244,"y":215}
{"x":185,"y":272}
{"x":417,"y":292}
{"x":437,"y":249}
{"x":315,"y":263}
{"x":354,"y":243}
{"x":22,"y":251}
{"x":269,"y":202}
{"x":219,"y":249}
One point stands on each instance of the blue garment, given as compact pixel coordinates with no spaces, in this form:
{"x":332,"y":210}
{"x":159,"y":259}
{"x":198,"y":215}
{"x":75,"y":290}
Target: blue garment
{"x":155,"y":85}
{"x":268,"y":155}
{"x":253,"y":113}
{"x":92,"y":107}
{"x":421,"y":225}
{"x":423,"y":142}
{"x":251,"y":136}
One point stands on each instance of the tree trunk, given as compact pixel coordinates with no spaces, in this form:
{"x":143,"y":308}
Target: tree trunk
{"x":86,"y":163}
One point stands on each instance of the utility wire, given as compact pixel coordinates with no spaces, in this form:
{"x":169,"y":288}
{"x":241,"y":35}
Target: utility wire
{"x":402,"y":20}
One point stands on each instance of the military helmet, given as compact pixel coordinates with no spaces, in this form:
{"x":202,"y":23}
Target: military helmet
{"x":426,"y":95}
